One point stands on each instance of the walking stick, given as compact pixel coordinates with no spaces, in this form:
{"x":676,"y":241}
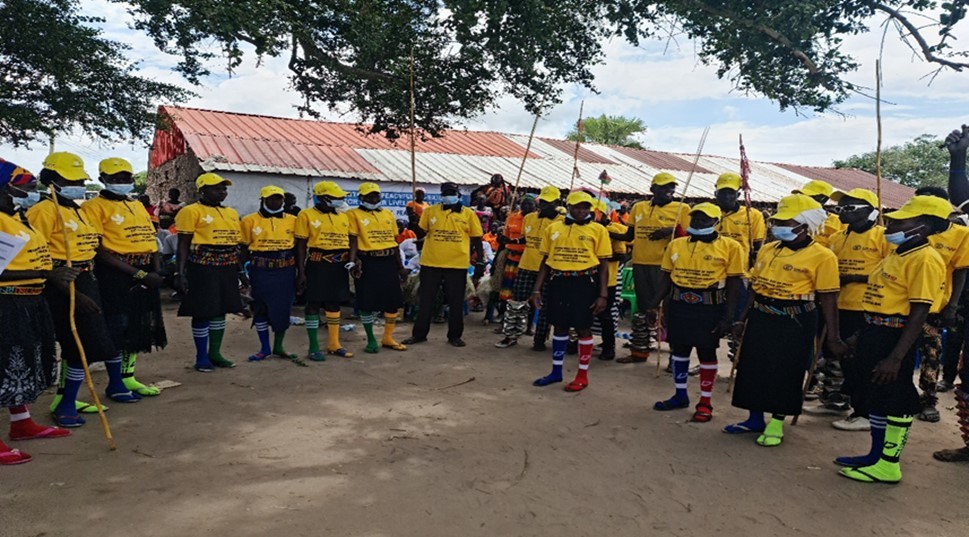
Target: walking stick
{"x":736,"y":360}
{"x":413,"y":141}
{"x":528,"y":148}
{"x":659,"y":344}
{"x":72,"y":294}
{"x":818,"y":347}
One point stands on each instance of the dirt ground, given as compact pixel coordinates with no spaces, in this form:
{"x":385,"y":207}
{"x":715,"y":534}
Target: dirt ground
{"x":438,"y":441}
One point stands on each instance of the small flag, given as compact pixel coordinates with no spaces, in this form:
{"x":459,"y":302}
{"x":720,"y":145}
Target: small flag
{"x":744,"y":167}
{"x":604,"y":177}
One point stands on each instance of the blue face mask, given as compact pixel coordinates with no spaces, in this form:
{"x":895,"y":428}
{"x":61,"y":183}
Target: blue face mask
{"x":784,"y":233}
{"x":370,"y":206}
{"x":701,"y":232}
{"x":450,"y":200}
{"x":899,"y":237}
{"x":272,"y":211}
{"x":121,"y":189}
{"x":73,"y":192}
{"x":336,"y":204}
{"x":31,"y":199}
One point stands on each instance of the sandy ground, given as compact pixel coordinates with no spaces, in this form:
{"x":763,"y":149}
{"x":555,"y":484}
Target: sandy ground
{"x":445,"y":442}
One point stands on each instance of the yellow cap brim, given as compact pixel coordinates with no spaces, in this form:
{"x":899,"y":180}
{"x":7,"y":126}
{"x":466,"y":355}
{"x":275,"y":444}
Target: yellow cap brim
{"x":705,"y":211}
{"x":549,"y":198}
{"x":786,"y":214}
{"x":664,"y":182}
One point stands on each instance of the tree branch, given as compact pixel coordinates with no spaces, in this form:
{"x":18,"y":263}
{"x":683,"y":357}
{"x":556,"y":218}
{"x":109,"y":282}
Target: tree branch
{"x":916,"y":34}
{"x":311,"y":50}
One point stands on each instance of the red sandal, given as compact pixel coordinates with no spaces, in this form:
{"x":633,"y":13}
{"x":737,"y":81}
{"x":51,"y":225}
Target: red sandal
{"x":703,"y":414}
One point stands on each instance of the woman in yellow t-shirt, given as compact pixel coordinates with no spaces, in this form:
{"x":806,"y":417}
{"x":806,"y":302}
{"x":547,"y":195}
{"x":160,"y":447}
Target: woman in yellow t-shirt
{"x":127,"y":269}
{"x":27,"y":345}
{"x":901,"y":291}
{"x":322,"y":255}
{"x":268,"y":248}
{"x":209,"y":268}
{"x":606,"y":322}
{"x":575,"y":257}
{"x":376,"y":265}
{"x":701,"y":284}
{"x":789,"y":278}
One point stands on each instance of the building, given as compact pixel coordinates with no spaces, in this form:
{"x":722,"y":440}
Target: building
{"x":253,"y":151}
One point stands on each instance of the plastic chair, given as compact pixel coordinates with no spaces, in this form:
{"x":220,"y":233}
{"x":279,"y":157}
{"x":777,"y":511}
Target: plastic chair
{"x":628,"y":290}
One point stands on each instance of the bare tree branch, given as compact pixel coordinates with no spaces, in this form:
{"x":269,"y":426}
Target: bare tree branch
{"x":927,"y":52}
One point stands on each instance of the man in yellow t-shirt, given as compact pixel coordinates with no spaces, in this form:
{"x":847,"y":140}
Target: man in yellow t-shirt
{"x":377,"y":266}
{"x":860,"y":247}
{"x":322,"y":253}
{"x":821,"y":192}
{"x":608,"y":320}
{"x":742,"y":224}
{"x":575,"y":255}
{"x":450,"y":231}
{"x":127,"y":268}
{"x":901,"y":291}
{"x":704,"y":273}
{"x":533,"y":228}
{"x":268,"y":243}
{"x":653,"y":224}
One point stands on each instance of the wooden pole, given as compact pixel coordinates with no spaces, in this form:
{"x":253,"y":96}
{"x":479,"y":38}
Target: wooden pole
{"x":528,"y":148}
{"x":736,"y":360}
{"x":72,"y":299}
{"x":878,"y":146}
{"x":818,"y":346}
{"x":413,"y":139}
{"x":578,"y":142}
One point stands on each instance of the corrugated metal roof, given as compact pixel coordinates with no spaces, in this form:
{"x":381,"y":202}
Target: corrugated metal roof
{"x":262,"y":144}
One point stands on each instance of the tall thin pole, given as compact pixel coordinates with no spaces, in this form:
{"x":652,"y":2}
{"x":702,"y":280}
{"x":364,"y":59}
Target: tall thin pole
{"x":578,"y":142}
{"x":878,"y":147}
{"x":413,"y":139}
{"x":528,"y":148}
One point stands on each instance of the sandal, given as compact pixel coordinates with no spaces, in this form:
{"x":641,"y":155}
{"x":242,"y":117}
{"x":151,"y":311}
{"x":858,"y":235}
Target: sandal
{"x":930,"y":414}
{"x":14,"y":456}
{"x":88,"y":408}
{"x":341,"y":352}
{"x":317,"y":356}
{"x":859,"y":474}
{"x":394,"y":346}
{"x":703,"y":414}
{"x":285,"y":355}
{"x":671,"y":404}
{"x":952,"y":455}
{"x":769,"y":440}
{"x":258,"y":357}
{"x":123,"y":397}
{"x":740,"y":428}
{"x":576,"y":385}
{"x":46,"y":432}
{"x":71,"y":422}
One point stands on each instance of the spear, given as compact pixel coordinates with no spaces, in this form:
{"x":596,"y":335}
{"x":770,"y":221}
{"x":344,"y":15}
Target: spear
{"x":528,"y":148}
{"x":745,"y":185}
{"x":413,"y":141}
{"x":578,"y":141}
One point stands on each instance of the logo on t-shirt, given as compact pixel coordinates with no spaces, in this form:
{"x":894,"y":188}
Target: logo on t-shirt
{"x":315,"y":223}
{"x":257,"y":230}
{"x":117,"y":219}
{"x":365,"y":221}
{"x":207,"y":219}
{"x":71,"y":224}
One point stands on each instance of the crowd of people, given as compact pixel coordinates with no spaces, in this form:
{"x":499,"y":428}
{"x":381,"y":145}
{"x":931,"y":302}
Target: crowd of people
{"x":824,"y":284}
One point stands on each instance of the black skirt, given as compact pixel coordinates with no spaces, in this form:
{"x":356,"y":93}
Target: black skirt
{"x":899,"y":398}
{"x":27,"y":349}
{"x":693,"y":324}
{"x":378,"y":288}
{"x":133,"y":311}
{"x":327,"y":282}
{"x":93,"y":329}
{"x":212,"y":291}
{"x":569,"y":300}
{"x":777,"y":351}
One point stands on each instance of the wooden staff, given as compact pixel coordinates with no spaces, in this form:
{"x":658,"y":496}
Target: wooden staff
{"x":679,"y":213}
{"x":736,"y":358}
{"x":72,"y":299}
{"x":878,"y":147}
{"x":578,"y":141}
{"x":818,"y":346}
{"x":528,"y":148}
{"x":745,"y":185}
{"x":413,"y":140}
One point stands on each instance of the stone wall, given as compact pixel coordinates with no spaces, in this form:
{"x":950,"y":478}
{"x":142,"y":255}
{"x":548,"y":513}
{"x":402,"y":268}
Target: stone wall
{"x":180,"y":173}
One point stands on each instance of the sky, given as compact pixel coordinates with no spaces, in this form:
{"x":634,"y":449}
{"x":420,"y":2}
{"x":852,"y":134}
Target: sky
{"x":662,"y":83}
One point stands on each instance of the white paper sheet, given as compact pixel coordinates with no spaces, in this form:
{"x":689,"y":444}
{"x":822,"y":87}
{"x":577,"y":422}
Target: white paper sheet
{"x":10,"y":246}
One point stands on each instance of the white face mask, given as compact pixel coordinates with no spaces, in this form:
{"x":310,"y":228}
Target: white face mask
{"x":701,"y":232}
{"x":73,"y":192}
{"x":120,"y":189}
{"x":272,"y":211}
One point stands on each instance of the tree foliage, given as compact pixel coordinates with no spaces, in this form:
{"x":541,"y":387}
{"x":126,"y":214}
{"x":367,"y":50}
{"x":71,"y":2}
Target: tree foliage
{"x":920,"y":162}
{"x":59,"y":74}
{"x":610,"y":130}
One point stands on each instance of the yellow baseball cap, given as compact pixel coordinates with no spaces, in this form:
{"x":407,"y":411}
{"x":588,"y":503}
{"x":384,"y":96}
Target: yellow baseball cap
{"x":708,"y":209}
{"x":368,"y":188}
{"x":663,"y":178}
{"x":111,"y":166}
{"x":549,"y":194}
{"x":814,"y":188}
{"x":867,"y":196}
{"x":601,"y":206}
{"x":922,"y":206}
{"x":210,"y":179}
{"x":67,"y":165}
{"x":793,"y":205}
{"x":329,"y":188}
{"x":578,"y":197}
{"x":729,"y":180}
{"x":271,"y":190}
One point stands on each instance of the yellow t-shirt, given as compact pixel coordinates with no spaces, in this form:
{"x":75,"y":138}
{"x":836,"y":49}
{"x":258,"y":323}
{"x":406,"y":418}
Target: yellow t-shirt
{"x":734,"y":225}
{"x":83,"y":234}
{"x":33,"y":256}
{"x":787,"y":274}
{"x":533,"y":228}
{"x":647,"y":218}
{"x":448,"y":240}
{"x":574,"y":247}
{"x":125,"y":225}
{"x":211,"y":226}
{"x":271,"y":234}
{"x":694,"y":264}
{"x":374,"y":230}
{"x":832,"y":225}
{"x":858,"y":255}
{"x":618,"y":248}
{"x":326,"y":231}
{"x":917,"y":275}
{"x":953,"y":245}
